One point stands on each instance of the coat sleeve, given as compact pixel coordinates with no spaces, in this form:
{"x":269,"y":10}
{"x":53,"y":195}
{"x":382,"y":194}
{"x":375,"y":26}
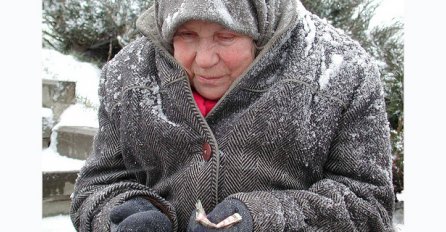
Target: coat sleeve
{"x":356,"y":191}
{"x":104,"y":181}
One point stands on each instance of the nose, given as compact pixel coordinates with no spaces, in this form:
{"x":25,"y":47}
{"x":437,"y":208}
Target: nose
{"x":206,"y":55}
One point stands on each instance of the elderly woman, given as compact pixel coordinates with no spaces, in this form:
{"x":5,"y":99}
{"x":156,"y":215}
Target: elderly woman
{"x":252,"y":107}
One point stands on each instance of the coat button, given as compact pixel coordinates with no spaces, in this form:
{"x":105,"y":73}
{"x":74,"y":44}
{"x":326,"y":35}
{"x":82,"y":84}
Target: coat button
{"x":207,"y":151}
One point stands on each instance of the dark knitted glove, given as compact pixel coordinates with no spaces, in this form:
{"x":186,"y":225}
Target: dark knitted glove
{"x":138,"y":215}
{"x":223,"y":210}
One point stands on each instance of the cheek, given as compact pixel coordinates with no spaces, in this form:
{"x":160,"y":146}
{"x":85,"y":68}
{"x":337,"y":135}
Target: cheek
{"x":183,"y":55}
{"x":238,"y":60}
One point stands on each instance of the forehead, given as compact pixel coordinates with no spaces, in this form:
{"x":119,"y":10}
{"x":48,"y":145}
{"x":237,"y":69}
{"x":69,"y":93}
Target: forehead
{"x":200,"y":25}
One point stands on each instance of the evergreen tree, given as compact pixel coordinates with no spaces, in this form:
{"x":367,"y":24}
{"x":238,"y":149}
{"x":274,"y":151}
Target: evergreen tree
{"x":388,"y":48}
{"x":96,"y":29}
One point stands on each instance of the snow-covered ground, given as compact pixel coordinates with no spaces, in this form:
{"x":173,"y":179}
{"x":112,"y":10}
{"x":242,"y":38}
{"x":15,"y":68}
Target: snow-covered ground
{"x":76,"y":115}
{"x":57,"y":66}
{"x":59,"y":223}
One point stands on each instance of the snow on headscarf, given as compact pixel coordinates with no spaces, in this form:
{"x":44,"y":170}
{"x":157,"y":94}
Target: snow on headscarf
{"x":259,"y":19}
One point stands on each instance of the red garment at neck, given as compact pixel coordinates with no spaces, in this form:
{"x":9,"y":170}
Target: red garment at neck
{"x":205,"y":105}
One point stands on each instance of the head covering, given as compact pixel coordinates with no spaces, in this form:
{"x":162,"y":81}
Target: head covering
{"x":236,"y":15}
{"x":259,"y":19}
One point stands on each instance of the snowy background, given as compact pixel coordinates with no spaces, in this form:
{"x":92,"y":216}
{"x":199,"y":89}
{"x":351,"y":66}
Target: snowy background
{"x":57,"y":66}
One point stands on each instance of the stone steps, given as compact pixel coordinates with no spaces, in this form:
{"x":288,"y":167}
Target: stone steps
{"x":398,"y":215}
{"x":71,"y":141}
{"x":75,"y":141}
{"x":58,"y":96}
{"x":56,"y":191}
{"x":47,"y":126}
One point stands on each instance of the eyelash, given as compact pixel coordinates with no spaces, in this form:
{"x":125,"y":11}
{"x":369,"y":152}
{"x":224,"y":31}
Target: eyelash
{"x":219,"y":37}
{"x":186,"y":34}
{"x":226,"y":37}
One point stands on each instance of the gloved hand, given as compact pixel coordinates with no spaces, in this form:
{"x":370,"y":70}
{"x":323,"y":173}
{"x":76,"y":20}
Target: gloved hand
{"x":138,"y":215}
{"x":223,"y":210}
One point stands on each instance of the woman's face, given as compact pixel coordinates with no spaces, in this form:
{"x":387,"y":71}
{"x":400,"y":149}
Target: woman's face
{"x":212,"y":55}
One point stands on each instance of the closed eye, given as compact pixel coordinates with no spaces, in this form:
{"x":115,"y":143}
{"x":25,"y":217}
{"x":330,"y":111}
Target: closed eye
{"x":226,"y":38}
{"x":186,"y":35}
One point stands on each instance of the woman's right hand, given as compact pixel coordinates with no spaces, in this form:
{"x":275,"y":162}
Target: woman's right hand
{"x":138,"y":215}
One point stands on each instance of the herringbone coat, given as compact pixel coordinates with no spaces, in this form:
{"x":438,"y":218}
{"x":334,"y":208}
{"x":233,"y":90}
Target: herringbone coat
{"x":301,"y":138}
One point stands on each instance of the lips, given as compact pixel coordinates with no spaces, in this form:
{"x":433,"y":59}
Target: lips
{"x":208,"y":79}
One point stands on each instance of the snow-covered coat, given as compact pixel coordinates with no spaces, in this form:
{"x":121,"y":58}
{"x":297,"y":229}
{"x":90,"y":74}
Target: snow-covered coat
{"x":301,"y":138}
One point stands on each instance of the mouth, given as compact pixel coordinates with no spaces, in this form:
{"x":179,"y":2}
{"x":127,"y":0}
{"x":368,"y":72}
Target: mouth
{"x":208,"y":77}
{"x":209,"y":80}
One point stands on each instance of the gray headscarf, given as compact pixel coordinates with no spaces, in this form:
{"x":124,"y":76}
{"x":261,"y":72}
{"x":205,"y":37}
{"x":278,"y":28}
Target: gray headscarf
{"x":259,"y":19}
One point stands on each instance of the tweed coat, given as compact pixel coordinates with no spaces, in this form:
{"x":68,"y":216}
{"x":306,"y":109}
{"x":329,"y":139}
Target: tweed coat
{"x":301,"y":138}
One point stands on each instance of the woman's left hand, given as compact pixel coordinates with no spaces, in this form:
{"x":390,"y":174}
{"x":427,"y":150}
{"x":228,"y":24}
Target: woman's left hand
{"x":223,"y":210}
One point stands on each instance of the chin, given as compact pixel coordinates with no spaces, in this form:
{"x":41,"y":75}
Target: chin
{"x":210,"y":95}
{"x":213,"y":97}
